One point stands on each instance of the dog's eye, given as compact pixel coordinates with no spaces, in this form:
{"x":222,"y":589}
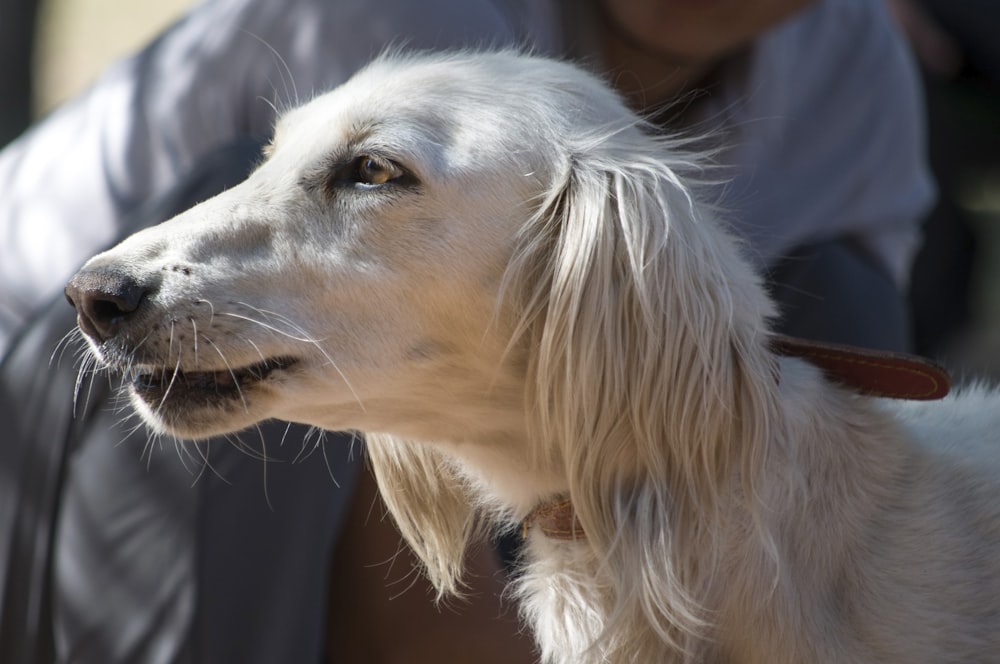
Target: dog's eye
{"x":363,"y":172}
{"x":370,"y":170}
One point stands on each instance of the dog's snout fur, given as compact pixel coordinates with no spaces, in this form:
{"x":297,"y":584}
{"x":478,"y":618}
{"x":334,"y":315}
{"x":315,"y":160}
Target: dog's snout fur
{"x":104,"y":298}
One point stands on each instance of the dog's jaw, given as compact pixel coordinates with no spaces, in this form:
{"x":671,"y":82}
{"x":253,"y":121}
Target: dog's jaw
{"x":203,"y":403}
{"x":199,"y":404}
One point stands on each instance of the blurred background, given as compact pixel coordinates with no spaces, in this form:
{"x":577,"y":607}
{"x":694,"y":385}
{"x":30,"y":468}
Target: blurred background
{"x":52,"y":49}
{"x":76,"y":39}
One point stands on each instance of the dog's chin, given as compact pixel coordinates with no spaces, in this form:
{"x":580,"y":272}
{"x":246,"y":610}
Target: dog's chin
{"x":200,"y":404}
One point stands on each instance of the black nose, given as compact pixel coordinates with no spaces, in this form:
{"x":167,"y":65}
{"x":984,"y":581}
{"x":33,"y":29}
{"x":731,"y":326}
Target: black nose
{"x":104,"y":299}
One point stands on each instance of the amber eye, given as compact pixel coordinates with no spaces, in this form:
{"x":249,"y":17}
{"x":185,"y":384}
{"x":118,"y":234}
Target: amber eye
{"x":367,"y":172}
{"x":375,"y":171}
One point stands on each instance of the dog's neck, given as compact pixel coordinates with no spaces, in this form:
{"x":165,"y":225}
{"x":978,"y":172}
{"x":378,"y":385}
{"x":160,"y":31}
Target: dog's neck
{"x":865,"y":371}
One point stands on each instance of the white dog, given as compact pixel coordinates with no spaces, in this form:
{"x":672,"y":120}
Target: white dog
{"x":494,"y":270}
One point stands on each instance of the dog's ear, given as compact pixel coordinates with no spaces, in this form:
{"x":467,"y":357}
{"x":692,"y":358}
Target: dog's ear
{"x":430,"y":503}
{"x":650,"y":374}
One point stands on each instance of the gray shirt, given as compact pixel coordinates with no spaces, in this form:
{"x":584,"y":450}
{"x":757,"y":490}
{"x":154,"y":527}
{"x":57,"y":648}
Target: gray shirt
{"x":822,"y":118}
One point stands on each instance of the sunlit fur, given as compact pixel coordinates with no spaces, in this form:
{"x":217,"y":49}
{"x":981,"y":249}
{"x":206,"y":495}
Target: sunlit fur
{"x":622,"y":298}
{"x":548,"y":308}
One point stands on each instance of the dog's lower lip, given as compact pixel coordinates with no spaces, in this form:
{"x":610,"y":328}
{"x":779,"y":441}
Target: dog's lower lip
{"x":159,"y":383}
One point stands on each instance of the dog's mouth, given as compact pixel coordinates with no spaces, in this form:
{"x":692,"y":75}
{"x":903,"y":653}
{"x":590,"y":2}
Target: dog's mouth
{"x":157,"y":385}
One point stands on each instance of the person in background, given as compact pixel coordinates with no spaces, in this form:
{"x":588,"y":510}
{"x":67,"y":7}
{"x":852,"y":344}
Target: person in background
{"x":134,"y":553}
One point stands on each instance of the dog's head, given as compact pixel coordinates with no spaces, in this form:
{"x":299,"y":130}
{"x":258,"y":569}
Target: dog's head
{"x":486,"y":251}
{"x":357,"y":267}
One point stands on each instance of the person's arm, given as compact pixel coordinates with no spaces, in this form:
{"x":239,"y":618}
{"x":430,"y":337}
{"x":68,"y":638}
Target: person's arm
{"x":832,"y":139}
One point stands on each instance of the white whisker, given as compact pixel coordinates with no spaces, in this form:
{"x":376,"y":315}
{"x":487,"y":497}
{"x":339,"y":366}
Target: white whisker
{"x":287,"y":78}
{"x":170,"y":385}
{"x":64,"y":342}
{"x":194,"y":327}
{"x":300,"y":335}
{"x":232,"y":373}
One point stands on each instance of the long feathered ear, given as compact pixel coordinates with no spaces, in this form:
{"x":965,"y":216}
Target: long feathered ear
{"x":650,"y":377}
{"x":430,"y":503}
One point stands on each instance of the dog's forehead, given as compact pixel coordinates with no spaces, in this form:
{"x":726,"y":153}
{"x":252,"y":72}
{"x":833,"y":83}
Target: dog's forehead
{"x":425,"y":95}
{"x":446,"y":114}
{"x":420,"y":109}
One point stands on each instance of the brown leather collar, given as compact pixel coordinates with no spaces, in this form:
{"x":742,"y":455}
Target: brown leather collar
{"x":556,"y":519}
{"x":870,"y":372}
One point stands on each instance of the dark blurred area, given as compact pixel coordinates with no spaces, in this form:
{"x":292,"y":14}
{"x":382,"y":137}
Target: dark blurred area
{"x":18,"y":22}
{"x":957,"y":45}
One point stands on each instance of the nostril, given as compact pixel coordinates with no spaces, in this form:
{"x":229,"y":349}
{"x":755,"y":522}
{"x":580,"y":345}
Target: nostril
{"x":107,"y":310}
{"x":104,"y":299}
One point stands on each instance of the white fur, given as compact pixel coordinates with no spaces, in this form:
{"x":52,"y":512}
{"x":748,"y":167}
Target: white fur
{"x":541,"y":306}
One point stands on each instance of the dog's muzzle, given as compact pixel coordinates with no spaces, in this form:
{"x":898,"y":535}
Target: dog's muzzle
{"x":116,"y":311}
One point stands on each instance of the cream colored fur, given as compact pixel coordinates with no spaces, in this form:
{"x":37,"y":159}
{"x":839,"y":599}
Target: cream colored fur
{"x":535,"y":303}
